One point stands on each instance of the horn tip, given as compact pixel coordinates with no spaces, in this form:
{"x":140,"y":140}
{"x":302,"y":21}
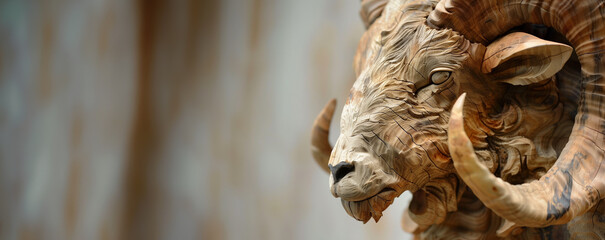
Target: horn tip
{"x":320,"y":146}
{"x":332,"y":102}
{"x":457,"y":109}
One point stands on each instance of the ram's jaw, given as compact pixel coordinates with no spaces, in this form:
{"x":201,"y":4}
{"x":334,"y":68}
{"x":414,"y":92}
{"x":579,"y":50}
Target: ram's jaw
{"x":371,"y":207}
{"x":363,"y":202}
{"x":371,"y":188}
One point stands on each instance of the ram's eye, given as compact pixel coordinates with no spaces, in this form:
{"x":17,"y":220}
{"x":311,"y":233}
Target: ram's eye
{"x":440,"y":77}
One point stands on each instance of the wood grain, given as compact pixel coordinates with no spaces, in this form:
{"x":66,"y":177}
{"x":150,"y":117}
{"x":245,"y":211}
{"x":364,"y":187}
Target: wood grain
{"x":528,"y":143}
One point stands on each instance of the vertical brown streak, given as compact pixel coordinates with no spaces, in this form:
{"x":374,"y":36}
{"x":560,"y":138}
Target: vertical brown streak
{"x":140,"y":160}
{"x":208,"y":24}
{"x":195,"y":25}
{"x":75,"y":170}
{"x":255,"y":23}
{"x":44,"y":89}
{"x":251,"y":84}
{"x":71,"y":198}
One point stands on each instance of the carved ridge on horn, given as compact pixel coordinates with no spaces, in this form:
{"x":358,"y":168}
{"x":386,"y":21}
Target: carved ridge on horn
{"x":576,"y":182}
{"x":320,"y":145}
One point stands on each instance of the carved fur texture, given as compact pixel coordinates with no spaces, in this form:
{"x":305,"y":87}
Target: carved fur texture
{"x":522,"y":121}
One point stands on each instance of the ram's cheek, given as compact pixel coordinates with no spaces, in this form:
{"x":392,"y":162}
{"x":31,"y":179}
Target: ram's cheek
{"x":426,"y":209}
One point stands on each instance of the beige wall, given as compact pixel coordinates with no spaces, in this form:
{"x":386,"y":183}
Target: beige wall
{"x":173,"y":119}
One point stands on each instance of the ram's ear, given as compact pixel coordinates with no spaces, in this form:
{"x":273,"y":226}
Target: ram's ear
{"x":371,"y":10}
{"x":520,"y":59}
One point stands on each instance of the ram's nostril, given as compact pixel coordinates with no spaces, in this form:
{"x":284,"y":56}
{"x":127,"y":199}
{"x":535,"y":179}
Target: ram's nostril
{"x":341,"y":170}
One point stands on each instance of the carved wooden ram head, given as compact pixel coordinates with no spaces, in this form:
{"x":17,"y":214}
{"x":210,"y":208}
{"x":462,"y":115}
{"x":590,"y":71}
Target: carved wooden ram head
{"x":532,"y":141}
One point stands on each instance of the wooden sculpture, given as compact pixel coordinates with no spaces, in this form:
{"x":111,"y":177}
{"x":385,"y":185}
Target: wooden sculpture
{"x":518,"y":156}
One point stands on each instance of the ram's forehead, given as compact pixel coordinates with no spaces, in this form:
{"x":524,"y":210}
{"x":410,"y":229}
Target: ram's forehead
{"x":394,"y":14}
{"x":401,"y":39}
{"x":409,"y":54}
{"x":405,"y":55}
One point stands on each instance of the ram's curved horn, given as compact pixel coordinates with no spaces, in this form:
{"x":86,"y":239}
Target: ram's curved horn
{"x":320,"y":146}
{"x":576,"y":182}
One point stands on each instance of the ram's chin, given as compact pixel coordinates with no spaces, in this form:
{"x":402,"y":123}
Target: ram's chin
{"x":371,"y":207}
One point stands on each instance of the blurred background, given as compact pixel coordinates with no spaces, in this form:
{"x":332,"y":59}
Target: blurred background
{"x":173,"y":119}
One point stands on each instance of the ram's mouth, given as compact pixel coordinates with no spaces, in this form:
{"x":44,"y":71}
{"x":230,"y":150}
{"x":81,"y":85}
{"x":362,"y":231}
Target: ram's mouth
{"x":371,"y":207}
